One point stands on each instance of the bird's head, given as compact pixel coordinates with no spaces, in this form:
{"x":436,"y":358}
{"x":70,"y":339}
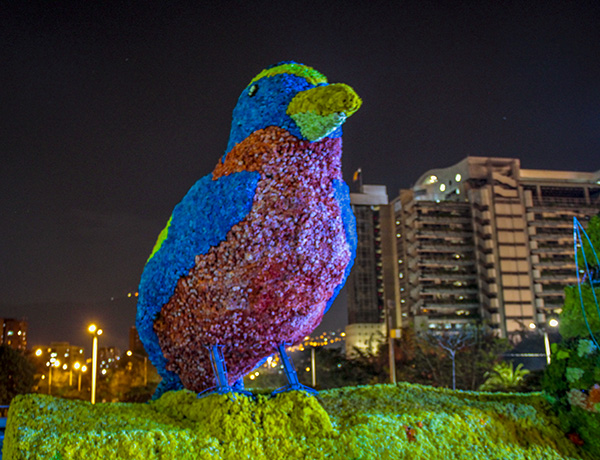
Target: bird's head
{"x":294,"y":97}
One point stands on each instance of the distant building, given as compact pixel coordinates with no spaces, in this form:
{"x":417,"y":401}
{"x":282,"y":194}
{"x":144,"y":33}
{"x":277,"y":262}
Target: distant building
{"x":108,"y":357}
{"x":485,"y":240}
{"x":62,"y":355}
{"x":365,"y":285}
{"x":135,"y":344}
{"x":14,"y":333}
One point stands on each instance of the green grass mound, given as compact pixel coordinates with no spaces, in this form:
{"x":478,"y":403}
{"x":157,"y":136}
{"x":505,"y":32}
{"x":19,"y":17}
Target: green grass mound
{"x":401,"y":421}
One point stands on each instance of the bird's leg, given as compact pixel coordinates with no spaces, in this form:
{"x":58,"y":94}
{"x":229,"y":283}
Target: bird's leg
{"x":219,"y":367}
{"x":290,"y":373}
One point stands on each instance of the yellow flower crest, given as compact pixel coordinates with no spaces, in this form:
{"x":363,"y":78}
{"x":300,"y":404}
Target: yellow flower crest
{"x":311,"y":75}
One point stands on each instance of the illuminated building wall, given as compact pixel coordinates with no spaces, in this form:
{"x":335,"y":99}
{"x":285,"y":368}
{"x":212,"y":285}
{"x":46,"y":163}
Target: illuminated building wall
{"x":487,"y":240}
{"x":365,"y":285}
{"x":14,"y":333}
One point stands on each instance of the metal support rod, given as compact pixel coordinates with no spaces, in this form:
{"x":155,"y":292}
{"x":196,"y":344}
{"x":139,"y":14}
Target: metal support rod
{"x":288,"y":366}
{"x":219,"y":368}
{"x":391,"y":351}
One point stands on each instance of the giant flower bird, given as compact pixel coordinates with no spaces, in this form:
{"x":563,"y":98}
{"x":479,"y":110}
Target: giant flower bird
{"x":256,"y":251}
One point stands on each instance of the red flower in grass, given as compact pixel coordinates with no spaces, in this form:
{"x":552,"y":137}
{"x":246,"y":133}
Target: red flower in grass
{"x":575,"y":439}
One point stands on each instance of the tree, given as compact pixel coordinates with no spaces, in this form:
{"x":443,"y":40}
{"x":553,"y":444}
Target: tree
{"x":452,"y":342}
{"x":16,"y":374}
{"x":421,"y":359}
{"x":505,"y":377}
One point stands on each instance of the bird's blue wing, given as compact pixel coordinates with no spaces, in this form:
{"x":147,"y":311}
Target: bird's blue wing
{"x":342,"y":196}
{"x":199,"y":222}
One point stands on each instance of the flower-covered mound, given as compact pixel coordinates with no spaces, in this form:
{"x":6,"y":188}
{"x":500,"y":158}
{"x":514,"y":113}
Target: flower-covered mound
{"x":401,"y":421}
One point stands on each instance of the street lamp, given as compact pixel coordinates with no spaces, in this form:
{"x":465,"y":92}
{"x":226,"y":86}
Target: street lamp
{"x":553,"y":322}
{"x":50,"y":365}
{"x":95,"y":332}
{"x":80,"y":369}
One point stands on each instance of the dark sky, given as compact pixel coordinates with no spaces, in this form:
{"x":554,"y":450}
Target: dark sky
{"x":110,"y":114}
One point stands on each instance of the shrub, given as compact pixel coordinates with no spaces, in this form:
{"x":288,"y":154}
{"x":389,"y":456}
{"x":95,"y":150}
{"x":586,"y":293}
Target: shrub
{"x":572,"y":385}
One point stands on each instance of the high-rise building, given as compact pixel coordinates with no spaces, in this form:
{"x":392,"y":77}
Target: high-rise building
{"x":365,"y":285}
{"x":13,"y":333}
{"x":135,"y":344}
{"x":487,"y":240}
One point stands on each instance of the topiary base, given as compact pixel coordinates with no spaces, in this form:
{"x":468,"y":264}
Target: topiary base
{"x":401,"y":421}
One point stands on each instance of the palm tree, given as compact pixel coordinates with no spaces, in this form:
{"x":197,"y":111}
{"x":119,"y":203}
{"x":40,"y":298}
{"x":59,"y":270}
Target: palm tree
{"x":505,"y":377}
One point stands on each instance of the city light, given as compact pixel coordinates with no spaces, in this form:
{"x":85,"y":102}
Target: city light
{"x":38,"y":352}
{"x":553,"y":322}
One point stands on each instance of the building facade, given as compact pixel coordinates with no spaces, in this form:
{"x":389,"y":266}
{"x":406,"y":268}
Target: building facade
{"x":485,"y":240}
{"x":13,"y":333}
{"x":365,"y":284}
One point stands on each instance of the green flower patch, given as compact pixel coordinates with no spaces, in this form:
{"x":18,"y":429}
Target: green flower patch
{"x":401,"y":421}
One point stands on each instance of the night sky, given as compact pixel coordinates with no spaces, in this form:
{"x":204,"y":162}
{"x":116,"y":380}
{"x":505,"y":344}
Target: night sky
{"x":110,"y":114}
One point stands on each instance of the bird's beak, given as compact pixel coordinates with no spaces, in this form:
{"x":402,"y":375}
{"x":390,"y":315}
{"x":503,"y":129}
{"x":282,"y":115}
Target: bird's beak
{"x":319,"y":111}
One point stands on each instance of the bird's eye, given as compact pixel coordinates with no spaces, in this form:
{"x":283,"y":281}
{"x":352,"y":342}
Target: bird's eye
{"x":252,"y":91}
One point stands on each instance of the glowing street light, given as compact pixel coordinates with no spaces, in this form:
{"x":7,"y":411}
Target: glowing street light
{"x":96,"y":332}
{"x":553,"y":322}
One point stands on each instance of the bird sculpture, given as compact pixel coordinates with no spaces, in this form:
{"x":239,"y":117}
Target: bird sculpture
{"x":256,"y":251}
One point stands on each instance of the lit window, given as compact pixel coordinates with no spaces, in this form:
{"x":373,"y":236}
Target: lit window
{"x":431,"y":179}
{"x":442,"y":187}
{"x":458,"y":177}
{"x":9,"y":333}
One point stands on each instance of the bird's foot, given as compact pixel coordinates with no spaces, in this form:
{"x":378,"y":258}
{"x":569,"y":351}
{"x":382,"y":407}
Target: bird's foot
{"x":224,"y":389}
{"x":290,"y":372}
{"x":295,"y":387}
{"x":230,"y":391}
{"x":220,"y":370}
